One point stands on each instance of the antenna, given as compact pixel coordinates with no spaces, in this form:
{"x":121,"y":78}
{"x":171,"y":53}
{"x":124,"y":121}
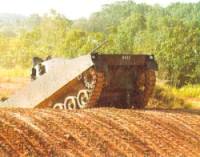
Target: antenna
{"x":99,"y":46}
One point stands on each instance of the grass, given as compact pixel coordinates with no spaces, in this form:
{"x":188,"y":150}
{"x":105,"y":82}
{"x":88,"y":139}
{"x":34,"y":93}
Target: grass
{"x":166,"y":96}
{"x":11,"y":80}
{"x":14,"y":72}
{"x":191,"y":94}
{"x":194,"y":105}
{"x":188,"y":91}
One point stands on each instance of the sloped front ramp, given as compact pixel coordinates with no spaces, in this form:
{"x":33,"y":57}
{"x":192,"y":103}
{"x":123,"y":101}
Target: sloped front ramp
{"x":40,"y":90}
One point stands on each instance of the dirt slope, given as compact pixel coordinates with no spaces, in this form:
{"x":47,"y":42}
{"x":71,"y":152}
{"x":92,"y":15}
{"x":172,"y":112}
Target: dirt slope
{"x":99,"y":132}
{"x":9,"y":86}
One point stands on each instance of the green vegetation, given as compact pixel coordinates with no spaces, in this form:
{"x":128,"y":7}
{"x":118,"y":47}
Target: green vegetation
{"x":14,"y":72}
{"x":172,"y":34}
{"x":188,"y":91}
{"x":195,"y":105}
{"x":164,"y":97}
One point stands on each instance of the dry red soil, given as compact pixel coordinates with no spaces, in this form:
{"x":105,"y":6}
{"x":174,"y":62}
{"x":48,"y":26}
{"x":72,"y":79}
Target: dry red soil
{"x":103,"y":132}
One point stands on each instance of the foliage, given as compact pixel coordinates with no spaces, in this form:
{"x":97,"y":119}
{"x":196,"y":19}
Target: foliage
{"x":188,"y":91}
{"x":165,"y":98}
{"x":14,"y":72}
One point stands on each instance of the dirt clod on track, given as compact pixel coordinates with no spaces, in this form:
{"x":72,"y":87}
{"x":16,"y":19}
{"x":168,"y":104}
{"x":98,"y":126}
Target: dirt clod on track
{"x":99,"y":132}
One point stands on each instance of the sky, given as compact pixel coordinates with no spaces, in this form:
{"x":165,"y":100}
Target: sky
{"x":72,"y":9}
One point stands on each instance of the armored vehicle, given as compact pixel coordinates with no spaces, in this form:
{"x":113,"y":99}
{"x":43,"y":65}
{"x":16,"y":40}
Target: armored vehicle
{"x":117,"y":80}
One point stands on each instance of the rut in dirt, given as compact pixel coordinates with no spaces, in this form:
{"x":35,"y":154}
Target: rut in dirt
{"x":99,"y":132}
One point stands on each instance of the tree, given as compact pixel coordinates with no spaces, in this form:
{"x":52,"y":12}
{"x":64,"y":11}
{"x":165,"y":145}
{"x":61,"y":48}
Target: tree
{"x":127,"y":31}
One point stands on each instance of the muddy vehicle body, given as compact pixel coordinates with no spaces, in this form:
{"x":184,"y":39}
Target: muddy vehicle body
{"x":118,"y":80}
{"x":128,"y":79}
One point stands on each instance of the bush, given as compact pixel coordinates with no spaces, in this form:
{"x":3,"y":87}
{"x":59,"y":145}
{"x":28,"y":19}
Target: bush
{"x":164,"y":97}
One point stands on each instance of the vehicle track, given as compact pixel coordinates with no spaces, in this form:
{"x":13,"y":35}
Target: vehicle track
{"x":99,"y":132}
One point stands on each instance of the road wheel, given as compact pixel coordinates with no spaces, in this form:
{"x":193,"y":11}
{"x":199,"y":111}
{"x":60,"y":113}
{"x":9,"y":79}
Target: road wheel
{"x":70,"y":103}
{"x":59,"y":106}
{"x":83,"y":97}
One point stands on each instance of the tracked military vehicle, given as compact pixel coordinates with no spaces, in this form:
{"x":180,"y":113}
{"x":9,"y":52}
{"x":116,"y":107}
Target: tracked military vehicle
{"x":118,"y":80}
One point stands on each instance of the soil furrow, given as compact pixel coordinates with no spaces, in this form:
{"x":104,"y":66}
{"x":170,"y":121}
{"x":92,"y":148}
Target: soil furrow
{"x":100,"y":132}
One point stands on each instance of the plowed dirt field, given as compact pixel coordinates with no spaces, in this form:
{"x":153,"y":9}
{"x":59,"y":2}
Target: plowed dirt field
{"x":103,"y":132}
